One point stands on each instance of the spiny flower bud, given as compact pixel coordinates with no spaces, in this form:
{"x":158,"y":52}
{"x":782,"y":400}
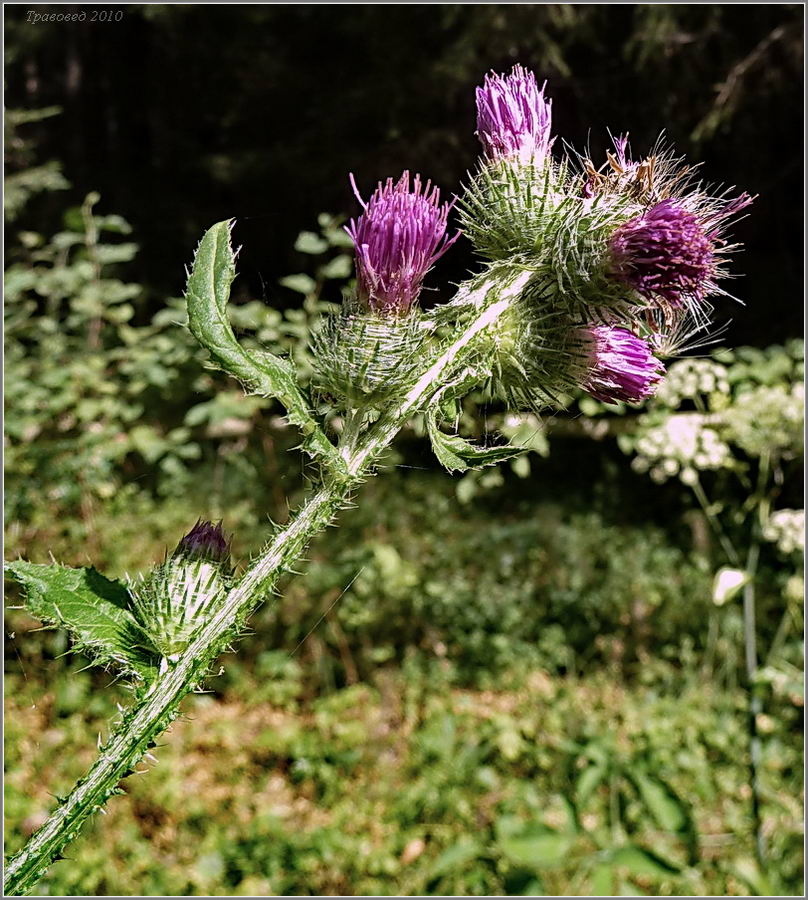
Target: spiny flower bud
{"x":173,"y":600}
{"x":513,"y":118}
{"x":399,"y":237}
{"x":205,"y":540}
{"x":621,"y":365}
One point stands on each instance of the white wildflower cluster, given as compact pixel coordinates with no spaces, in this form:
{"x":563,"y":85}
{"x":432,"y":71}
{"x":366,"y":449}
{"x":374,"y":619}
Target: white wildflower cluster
{"x":690,"y":378}
{"x":786,"y":528}
{"x":682,"y":444}
{"x":768,"y":420}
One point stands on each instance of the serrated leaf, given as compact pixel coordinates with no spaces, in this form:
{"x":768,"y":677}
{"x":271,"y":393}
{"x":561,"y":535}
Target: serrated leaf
{"x":642,"y":862}
{"x":263,"y":373}
{"x":456,"y":453}
{"x":92,"y":608}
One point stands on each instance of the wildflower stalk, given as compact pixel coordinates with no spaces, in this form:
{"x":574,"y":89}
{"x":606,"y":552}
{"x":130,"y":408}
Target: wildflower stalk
{"x":159,"y":706}
{"x":755,"y":705}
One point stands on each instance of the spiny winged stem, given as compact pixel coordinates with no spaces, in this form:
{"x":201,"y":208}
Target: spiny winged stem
{"x":143,"y":722}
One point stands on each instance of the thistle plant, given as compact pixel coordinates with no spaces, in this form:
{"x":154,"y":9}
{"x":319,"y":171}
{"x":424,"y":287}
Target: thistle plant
{"x":589,"y":277}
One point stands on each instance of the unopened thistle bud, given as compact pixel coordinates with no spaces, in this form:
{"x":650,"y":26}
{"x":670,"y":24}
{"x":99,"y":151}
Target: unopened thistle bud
{"x":207,"y":541}
{"x":178,"y":595}
{"x":513,"y":118}
{"x":621,"y":365}
{"x":399,"y":237}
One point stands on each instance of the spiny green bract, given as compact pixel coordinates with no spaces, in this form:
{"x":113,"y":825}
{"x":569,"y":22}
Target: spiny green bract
{"x":366,"y":358}
{"x":535,"y":213}
{"x":532,"y":217}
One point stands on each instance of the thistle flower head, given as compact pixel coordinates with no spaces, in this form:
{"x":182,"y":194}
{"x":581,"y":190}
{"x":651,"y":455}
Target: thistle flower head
{"x":621,"y":365}
{"x":206,"y":540}
{"x":398,"y":238}
{"x":513,"y":118}
{"x":665,"y":253}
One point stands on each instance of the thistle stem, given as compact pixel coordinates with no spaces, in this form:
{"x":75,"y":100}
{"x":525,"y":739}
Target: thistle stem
{"x":159,"y":706}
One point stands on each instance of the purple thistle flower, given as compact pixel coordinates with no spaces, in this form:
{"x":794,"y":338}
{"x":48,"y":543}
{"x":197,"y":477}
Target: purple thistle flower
{"x":398,"y":238}
{"x":621,"y":151}
{"x":513,"y":118}
{"x":622,"y":366}
{"x":205,"y":540}
{"x":715,"y":220}
{"x":665,"y":253}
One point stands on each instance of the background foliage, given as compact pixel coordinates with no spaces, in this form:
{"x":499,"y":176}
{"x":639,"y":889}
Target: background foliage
{"x":528,"y":679}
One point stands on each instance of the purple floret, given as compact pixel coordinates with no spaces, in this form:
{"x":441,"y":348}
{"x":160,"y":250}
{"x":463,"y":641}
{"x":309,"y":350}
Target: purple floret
{"x":398,"y":238}
{"x":622,"y":366}
{"x":206,"y":540}
{"x":665,"y":253}
{"x":513,"y":118}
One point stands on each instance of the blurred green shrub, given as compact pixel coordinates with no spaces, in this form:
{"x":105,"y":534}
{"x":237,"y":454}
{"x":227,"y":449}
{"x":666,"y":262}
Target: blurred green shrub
{"x":540,"y":584}
{"x":108,"y":414}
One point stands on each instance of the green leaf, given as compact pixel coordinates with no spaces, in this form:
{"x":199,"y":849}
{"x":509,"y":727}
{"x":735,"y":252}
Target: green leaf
{"x":457,"y":455}
{"x":663,"y":804}
{"x":309,"y":242}
{"x":536,"y":846}
{"x":303,"y":284}
{"x":263,"y":373}
{"x":92,"y":608}
{"x":642,"y":862}
{"x":589,"y":406}
{"x":339,"y":267}
{"x":455,"y":856}
{"x":603,"y":881}
{"x":749,"y":871}
{"x":588,"y":781}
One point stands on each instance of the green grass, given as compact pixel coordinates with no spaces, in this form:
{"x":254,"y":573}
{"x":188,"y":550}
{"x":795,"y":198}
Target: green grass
{"x":514,"y":696}
{"x":408,"y":784}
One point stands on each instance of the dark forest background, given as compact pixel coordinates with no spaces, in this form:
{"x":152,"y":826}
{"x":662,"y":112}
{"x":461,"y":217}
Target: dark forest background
{"x":184,"y":115}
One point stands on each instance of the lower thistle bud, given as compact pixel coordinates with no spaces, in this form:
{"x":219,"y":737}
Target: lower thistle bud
{"x":621,"y":365}
{"x":173,"y":600}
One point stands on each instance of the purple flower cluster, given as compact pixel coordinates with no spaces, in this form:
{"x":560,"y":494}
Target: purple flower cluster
{"x":398,"y":238}
{"x":513,"y":118}
{"x":621,"y":365}
{"x":665,"y":253}
{"x":206,"y":540}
